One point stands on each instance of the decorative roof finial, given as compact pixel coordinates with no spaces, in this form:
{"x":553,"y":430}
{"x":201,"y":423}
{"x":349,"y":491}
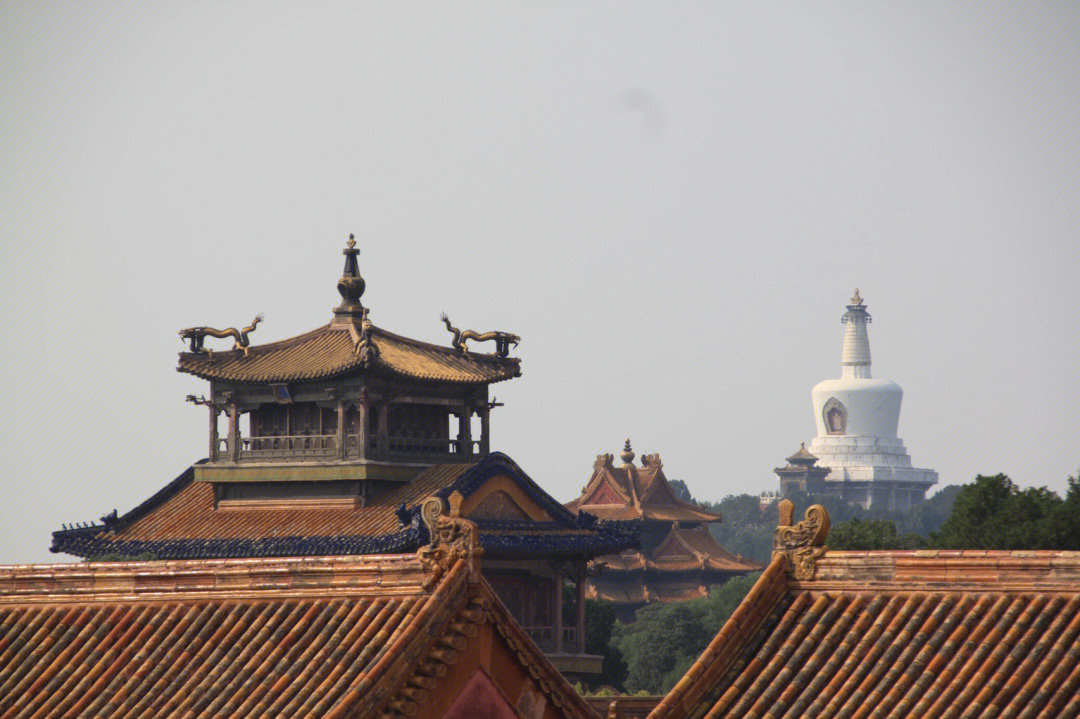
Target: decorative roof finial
{"x":855,"y":356}
{"x":627,"y":454}
{"x":351,"y":285}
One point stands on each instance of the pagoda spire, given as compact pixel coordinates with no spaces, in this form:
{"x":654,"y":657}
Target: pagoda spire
{"x":351,"y":285}
{"x":855,"y":357}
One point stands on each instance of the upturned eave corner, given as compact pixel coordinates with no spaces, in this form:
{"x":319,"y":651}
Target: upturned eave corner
{"x":801,"y":544}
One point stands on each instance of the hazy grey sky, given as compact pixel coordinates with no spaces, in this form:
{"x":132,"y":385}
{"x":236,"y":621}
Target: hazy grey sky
{"x":670,"y":204}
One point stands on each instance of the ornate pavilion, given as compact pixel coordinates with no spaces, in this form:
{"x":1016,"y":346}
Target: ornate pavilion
{"x":349,"y":428}
{"x":678,"y":558}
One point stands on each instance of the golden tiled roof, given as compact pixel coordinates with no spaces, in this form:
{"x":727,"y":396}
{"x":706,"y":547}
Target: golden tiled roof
{"x":684,"y":548}
{"x":329,"y":351}
{"x":631,"y":492}
{"x":330,"y":636}
{"x":897,"y":634}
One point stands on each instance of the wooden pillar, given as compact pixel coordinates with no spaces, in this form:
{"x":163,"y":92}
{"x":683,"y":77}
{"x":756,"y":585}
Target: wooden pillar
{"x":382,"y":438}
{"x":213,"y":431}
{"x":579,"y":600}
{"x":485,"y":429}
{"x":364,"y":433}
{"x":234,"y":432}
{"x":465,"y":430}
{"x":340,"y":438}
{"x":559,"y":581}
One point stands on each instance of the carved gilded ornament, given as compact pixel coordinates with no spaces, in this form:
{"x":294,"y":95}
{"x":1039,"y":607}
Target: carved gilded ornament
{"x":197,"y":335}
{"x":452,"y":537}
{"x":802,"y":543}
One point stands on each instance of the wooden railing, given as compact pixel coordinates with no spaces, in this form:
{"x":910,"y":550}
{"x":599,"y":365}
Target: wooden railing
{"x":544,"y":637}
{"x":324,"y":446}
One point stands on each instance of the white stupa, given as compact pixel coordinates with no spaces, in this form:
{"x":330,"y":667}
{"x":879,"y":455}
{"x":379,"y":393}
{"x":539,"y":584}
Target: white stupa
{"x":857,"y":418}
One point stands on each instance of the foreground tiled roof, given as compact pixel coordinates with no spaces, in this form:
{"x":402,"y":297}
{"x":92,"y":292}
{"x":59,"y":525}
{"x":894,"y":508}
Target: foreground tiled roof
{"x":329,"y":637}
{"x":181,"y":522}
{"x":330,"y":351}
{"x":896,"y":634}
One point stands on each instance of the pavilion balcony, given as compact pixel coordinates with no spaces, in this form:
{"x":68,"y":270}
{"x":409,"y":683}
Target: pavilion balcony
{"x":324,"y":448}
{"x":544,"y":636}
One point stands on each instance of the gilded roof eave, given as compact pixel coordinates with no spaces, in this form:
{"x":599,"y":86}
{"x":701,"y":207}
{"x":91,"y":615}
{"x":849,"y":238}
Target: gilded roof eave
{"x":329,"y":351}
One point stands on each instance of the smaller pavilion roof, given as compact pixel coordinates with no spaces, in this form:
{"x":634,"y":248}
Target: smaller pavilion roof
{"x":942,"y":633}
{"x":181,"y":521}
{"x":358,"y":637}
{"x":684,"y":549}
{"x":630,"y":492}
{"x":802,"y":456}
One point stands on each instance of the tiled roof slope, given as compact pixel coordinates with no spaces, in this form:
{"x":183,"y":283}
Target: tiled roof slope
{"x":685,"y":548}
{"x":631,"y":492}
{"x":897,"y":634}
{"x":375,"y":636}
{"x":181,"y":522}
{"x":329,"y":351}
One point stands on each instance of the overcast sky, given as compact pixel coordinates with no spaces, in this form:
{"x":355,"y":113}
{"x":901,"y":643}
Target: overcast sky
{"x":671,"y":204}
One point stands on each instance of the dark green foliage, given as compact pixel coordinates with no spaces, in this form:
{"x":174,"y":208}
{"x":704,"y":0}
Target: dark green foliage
{"x":748,"y":528}
{"x":599,"y":624}
{"x":667,"y":638}
{"x":990,"y":513}
{"x":872,"y":534}
{"x":993,"y":513}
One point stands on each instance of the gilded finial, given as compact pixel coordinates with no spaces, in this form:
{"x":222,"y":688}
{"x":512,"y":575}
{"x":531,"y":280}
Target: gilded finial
{"x":856,"y":299}
{"x":627,"y":454}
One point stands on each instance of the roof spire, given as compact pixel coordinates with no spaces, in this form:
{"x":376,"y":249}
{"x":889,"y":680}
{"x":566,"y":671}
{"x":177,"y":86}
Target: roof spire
{"x":351,"y":285}
{"x":855,"y":357}
{"x":627,"y":454}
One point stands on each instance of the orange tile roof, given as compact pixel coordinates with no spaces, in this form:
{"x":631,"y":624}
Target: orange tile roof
{"x":329,"y":636}
{"x":632,"y":492}
{"x":181,"y":522}
{"x":897,"y":634}
{"x":329,"y":351}
{"x":690,"y":548}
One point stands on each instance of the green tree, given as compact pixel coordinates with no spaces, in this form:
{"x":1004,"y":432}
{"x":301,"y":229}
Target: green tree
{"x":667,"y":638}
{"x":599,"y":625}
{"x":993,"y":513}
{"x":871,"y":534}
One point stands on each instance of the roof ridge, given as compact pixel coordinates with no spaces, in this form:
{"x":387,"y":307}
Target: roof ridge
{"x":443,"y":348}
{"x":284,"y":342}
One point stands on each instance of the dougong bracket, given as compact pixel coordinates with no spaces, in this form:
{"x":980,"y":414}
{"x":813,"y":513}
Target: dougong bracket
{"x":802,"y":543}
{"x":452,"y":537}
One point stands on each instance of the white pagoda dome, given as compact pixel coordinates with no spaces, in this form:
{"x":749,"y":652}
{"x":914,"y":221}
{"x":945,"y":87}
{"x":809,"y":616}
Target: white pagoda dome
{"x":857,"y":418}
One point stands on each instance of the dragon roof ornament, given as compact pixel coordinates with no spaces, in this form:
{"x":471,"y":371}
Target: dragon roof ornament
{"x":197,"y":335}
{"x":801,"y":544}
{"x":452,"y":537}
{"x":503,"y":340}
